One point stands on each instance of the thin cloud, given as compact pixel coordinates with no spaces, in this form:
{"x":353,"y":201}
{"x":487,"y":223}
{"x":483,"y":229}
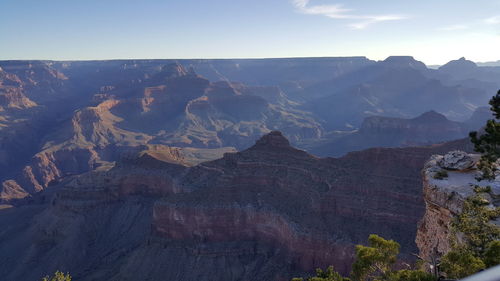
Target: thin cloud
{"x":337,"y":11}
{"x":493,"y":20}
{"x":478,"y":23}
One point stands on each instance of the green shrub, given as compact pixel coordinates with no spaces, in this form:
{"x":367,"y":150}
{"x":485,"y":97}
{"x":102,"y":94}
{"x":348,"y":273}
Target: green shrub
{"x":480,"y":245}
{"x":460,"y":263}
{"x":327,"y":275}
{"x":442,"y":174}
{"x":410,"y":275}
{"x":492,"y":254}
{"x":480,"y":189}
{"x":374,"y":260}
{"x":474,"y":223}
{"x":58,"y":276}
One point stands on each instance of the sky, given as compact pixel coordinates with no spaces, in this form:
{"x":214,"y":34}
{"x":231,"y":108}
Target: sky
{"x":433,"y":31}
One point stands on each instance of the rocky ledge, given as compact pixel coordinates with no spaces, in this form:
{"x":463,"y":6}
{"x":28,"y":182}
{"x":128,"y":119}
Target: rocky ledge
{"x":447,"y":180}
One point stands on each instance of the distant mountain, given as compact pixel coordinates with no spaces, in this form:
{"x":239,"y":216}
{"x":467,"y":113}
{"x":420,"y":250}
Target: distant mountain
{"x":479,"y":118}
{"x":460,"y":67}
{"x":287,"y":73}
{"x":378,"y":131}
{"x":491,"y":63}
{"x":467,"y":73}
{"x":396,"y":87}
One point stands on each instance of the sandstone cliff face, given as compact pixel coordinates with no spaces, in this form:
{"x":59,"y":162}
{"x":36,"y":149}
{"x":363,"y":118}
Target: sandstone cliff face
{"x":444,"y":199}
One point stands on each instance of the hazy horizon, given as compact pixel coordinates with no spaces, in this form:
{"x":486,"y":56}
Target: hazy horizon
{"x":434,"y":33}
{"x":241,"y":58}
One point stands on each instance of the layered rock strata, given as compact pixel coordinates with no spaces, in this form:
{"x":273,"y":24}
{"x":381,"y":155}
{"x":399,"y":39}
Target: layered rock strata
{"x":266,"y":213}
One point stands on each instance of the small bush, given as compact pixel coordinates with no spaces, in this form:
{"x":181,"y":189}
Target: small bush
{"x":492,"y":254}
{"x":460,"y":263}
{"x":441,"y":175}
{"x":480,"y":189}
{"x":410,"y":275}
{"x":58,"y":276}
{"x":324,"y":275}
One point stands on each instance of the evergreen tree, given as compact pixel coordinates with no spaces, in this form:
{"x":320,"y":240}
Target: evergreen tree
{"x":461,"y":262}
{"x":373,"y":263}
{"x":488,"y":144}
{"x":479,"y":247}
{"x":376,"y":259}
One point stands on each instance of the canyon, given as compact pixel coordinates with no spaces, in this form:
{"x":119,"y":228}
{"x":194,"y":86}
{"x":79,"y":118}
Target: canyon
{"x":223,"y":169}
{"x":65,"y":118}
{"x":267,"y":212}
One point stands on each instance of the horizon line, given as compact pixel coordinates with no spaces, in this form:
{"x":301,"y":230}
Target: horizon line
{"x":234,"y":58}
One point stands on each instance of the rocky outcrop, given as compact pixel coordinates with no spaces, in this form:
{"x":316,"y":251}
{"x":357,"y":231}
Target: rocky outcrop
{"x":457,"y":160}
{"x":13,"y":98}
{"x":444,"y":196}
{"x":11,"y":191}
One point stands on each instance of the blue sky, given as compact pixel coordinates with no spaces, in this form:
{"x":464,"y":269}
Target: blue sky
{"x":434,"y":31}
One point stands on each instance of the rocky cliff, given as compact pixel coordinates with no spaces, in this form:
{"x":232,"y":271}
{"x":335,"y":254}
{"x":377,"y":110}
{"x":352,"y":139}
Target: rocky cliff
{"x":266,"y":213}
{"x":447,"y":180}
